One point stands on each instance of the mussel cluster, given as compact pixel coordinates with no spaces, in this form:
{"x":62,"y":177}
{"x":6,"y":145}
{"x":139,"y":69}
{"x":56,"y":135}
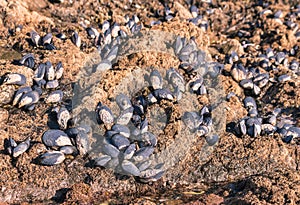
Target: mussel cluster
{"x":129,"y":143}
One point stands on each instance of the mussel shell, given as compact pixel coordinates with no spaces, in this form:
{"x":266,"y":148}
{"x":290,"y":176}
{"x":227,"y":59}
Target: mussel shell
{"x":59,"y":70}
{"x":75,"y":38}
{"x":51,"y":158}
{"x":130,"y":168}
{"x":68,"y":150}
{"x":39,"y":73}
{"x":35,"y":38}
{"x":129,"y":151}
{"x":111,"y":150}
{"x":212,"y":140}
{"x":123,"y":101}
{"x":29,"y":98}
{"x":92,"y":32}
{"x":156,"y":80}
{"x":151,"y":175}
{"x":121,"y":129}
{"x":50,"y":72}
{"x":104,"y":115}
{"x":249,"y":102}
{"x":163,"y":94}
{"x":82,"y":142}
{"x":63,"y":116}
{"x":52,"y":84}
{"x":125,"y":116}
{"x":28,"y":60}
{"x":19,"y":93}
{"x":143,"y":153}
{"x":14,"y":79}
{"x":56,"y":138}
{"x":47,"y":38}
{"x":54,"y":97}
{"x":21,"y":148}
{"x":102,"y":160}
{"x":120,"y":141}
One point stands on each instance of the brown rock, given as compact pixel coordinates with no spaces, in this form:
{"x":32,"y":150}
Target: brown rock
{"x":6,"y":94}
{"x":214,"y":199}
{"x":187,"y":30}
{"x":3,"y":115}
{"x":9,"y":54}
{"x":182,"y":11}
{"x":19,"y":12}
{"x":233,"y":45}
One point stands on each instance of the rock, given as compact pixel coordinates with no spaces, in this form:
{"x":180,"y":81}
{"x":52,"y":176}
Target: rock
{"x":233,"y":45}
{"x":183,"y":12}
{"x":9,"y":54}
{"x":6,"y":94}
{"x":18,"y":12}
{"x":3,"y":115}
